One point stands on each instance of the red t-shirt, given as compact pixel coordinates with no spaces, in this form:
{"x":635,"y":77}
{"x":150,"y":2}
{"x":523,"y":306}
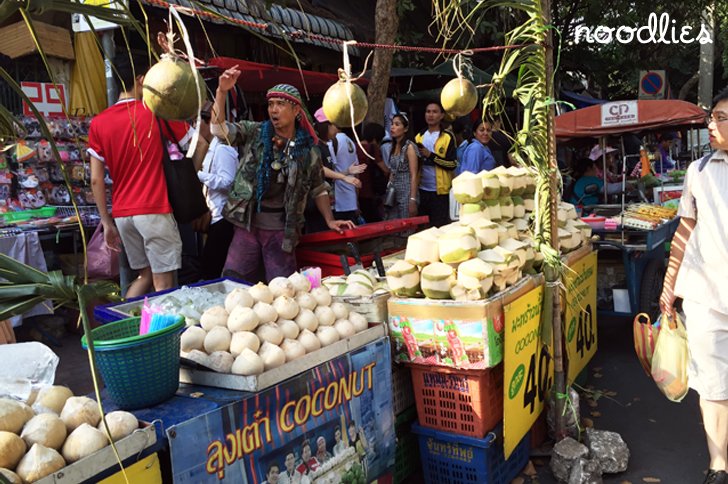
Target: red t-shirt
{"x":126,"y":138}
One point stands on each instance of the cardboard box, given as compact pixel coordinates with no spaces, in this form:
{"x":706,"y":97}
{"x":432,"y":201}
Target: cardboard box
{"x":17,"y":41}
{"x":452,"y":333}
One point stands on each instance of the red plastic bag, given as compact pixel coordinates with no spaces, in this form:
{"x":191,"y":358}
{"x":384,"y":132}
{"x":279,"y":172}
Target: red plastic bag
{"x":103,"y":263}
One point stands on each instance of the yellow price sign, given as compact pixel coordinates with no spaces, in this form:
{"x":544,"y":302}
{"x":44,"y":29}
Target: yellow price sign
{"x":527,"y":366}
{"x":580,"y":314}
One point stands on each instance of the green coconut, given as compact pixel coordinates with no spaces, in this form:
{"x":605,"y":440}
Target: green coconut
{"x":437,"y":279}
{"x":403,"y":279}
{"x":169,"y":89}
{"x":336,"y":103}
{"x":459,"y":97}
{"x":491,"y":185}
{"x":458,"y":245}
{"x":467,"y":188}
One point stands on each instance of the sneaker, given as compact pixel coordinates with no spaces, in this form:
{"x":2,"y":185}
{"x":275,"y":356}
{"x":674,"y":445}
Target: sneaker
{"x":716,"y":477}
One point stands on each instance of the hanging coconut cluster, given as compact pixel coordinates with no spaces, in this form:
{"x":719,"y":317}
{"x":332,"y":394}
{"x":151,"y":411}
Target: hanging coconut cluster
{"x":459,"y":97}
{"x":336,"y":103}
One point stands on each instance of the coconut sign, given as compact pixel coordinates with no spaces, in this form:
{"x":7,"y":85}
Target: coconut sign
{"x":170,"y":91}
{"x":459,"y":97}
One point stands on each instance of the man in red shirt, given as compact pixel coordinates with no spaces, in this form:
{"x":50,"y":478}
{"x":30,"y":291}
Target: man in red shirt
{"x":126,"y":139}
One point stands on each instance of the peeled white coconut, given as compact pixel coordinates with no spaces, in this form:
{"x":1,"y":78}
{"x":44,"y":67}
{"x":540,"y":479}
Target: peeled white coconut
{"x":476,"y":274}
{"x":529,"y":203}
{"x":281,"y":286}
{"x":422,"y":248}
{"x":13,"y":415}
{"x":306,"y":300}
{"x":436,"y":280}
{"x":505,"y":179}
{"x":248,"y":363}
{"x":470,"y":212}
{"x":238,"y":297}
{"x":82,"y":442}
{"x":497,"y":260}
{"x":217,"y":339}
{"x":289,"y":328}
{"x":362,"y":276}
{"x":46,"y":429}
{"x":12,"y":449}
{"x":519,"y":210}
{"x":266,"y":312}
{"x":242,"y":318}
{"x":506,"y":207}
{"x":51,"y":398}
{"x":513,"y":261}
{"x":80,"y":410}
{"x":300,"y":282}
{"x":516,"y":247}
{"x":403,"y":279}
{"x":570,"y":210}
{"x":242,"y":340}
{"x":566,"y":240}
{"x":359,"y":289}
{"x":261,"y":293}
{"x":458,"y":245}
{"x":214,"y":316}
{"x":325,"y":315}
{"x":335,"y":285}
{"x":341,"y":311}
{"x":306,"y":319}
{"x":39,"y":462}
{"x":293,"y":349}
{"x":561,"y":217}
{"x":272,"y":356}
{"x":10,"y":476}
{"x":121,"y":424}
{"x":220,"y":361}
{"x":519,"y":179}
{"x":467,"y":188}
{"x":309,"y":341}
{"x":269,"y":332}
{"x":491,"y":185}
{"x":199,"y":357}
{"x":286,"y":307}
{"x":322,"y":296}
{"x":345,"y":328}
{"x":359,"y":321}
{"x":327,"y":335}
{"x":192,"y":339}
{"x":584,"y":228}
{"x":460,"y":293}
{"x":494,"y":209}
{"x":521,"y":225}
{"x":486,"y":232}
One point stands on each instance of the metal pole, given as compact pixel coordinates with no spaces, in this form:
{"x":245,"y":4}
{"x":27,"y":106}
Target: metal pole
{"x":604,"y":167}
{"x":107,"y":42}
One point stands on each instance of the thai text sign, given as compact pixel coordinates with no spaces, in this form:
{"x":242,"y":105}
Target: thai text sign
{"x":528,"y":370}
{"x":620,"y":113}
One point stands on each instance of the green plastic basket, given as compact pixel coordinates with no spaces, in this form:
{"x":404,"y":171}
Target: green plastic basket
{"x":407,"y":453}
{"x":138,"y":370}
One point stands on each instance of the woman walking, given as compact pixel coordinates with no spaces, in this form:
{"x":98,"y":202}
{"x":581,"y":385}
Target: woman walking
{"x":402,"y":163}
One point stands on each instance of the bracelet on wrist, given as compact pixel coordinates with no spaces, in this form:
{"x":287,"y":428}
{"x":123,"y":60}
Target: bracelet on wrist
{"x":413,"y":199}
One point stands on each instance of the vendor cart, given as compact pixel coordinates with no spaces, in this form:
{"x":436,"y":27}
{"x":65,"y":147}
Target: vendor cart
{"x":363,"y":245}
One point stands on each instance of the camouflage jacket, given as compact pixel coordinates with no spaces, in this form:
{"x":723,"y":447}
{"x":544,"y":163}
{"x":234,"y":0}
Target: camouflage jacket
{"x":305,"y":178}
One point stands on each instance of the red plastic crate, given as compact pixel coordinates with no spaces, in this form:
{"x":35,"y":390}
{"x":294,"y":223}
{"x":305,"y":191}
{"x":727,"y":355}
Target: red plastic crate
{"x":465,"y":402}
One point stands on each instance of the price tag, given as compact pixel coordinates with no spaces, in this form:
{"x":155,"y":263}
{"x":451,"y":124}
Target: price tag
{"x":580,"y":314}
{"x":528,"y":367}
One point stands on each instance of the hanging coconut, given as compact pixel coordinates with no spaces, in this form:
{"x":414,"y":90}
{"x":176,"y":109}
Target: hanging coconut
{"x":459,"y":97}
{"x":336,"y":103}
{"x":170,"y":91}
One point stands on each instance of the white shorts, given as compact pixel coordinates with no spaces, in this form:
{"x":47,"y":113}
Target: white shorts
{"x":708,"y":342}
{"x":151,"y":241}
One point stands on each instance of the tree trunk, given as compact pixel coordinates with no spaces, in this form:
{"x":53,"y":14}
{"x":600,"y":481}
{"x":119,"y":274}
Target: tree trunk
{"x":386,"y":25}
{"x":688,"y":86}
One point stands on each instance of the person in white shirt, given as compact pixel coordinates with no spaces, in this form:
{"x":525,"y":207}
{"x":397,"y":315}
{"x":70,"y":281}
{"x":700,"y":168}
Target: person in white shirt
{"x":697,"y":273}
{"x":343,"y":156}
{"x":216,"y":174}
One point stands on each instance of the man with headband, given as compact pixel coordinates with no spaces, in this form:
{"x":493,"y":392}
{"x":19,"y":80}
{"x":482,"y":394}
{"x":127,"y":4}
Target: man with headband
{"x":279,"y":169}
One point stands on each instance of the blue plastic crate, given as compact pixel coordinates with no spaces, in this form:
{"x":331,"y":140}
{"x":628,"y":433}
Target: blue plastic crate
{"x":455,"y":459}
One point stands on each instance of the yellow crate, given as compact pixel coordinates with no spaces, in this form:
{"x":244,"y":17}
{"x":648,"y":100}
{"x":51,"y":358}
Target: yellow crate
{"x":146,"y":471}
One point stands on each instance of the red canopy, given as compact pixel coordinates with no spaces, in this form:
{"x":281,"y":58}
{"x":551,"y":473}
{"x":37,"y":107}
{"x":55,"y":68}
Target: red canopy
{"x":258,"y":77}
{"x":587,"y":122}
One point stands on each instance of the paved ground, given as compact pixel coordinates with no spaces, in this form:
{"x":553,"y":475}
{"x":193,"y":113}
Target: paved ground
{"x":665,"y":439}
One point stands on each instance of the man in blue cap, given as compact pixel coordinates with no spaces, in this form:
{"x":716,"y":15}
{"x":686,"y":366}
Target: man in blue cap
{"x":280,"y":168}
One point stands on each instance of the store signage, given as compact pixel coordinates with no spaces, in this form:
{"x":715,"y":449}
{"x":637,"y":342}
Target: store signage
{"x":49,"y":99}
{"x":528,"y":367}
{"x":580,"y":315}
{"x":333,"y":423}
{"x":620,"y":113}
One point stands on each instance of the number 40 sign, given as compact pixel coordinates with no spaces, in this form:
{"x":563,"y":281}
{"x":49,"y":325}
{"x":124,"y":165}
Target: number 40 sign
{"x":527,"y":367}
{"x":580,"y":280}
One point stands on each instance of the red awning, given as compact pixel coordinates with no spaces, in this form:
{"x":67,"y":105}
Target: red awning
{"x":587,"y":122}
{"x":258,"y":77}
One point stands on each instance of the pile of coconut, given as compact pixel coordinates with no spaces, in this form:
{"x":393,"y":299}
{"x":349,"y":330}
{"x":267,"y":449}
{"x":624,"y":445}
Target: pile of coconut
{"x":56,"y":429}
{"x":360,"y":283}
{"x":488,"y":249}
{"x":266,"y":326}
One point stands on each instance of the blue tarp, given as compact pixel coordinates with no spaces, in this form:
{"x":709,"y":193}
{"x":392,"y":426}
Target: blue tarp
{"x":580,"y":101}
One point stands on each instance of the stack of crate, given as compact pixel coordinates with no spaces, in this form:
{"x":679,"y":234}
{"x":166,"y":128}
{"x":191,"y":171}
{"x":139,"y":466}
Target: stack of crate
{"x":407,"y":456}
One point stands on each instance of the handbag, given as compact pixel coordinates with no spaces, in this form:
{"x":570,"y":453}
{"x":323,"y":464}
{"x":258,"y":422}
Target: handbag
{"x":645,"y":337}
{"x":103,"y":263}
{"x":670,"y":360}
{"x":184,"y":188}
